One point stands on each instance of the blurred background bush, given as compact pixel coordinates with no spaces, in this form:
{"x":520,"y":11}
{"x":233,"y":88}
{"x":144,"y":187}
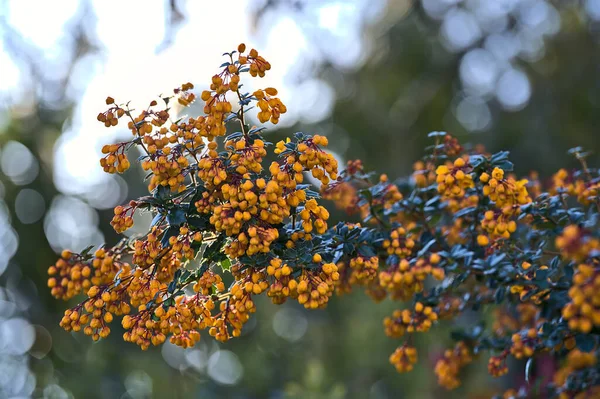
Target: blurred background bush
{"x":373,"y":75}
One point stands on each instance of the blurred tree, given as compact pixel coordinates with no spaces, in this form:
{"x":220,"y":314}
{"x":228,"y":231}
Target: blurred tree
{"x":409,"y":84}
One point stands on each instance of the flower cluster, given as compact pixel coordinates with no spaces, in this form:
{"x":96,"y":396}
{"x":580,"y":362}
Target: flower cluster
{"x":404,"y":358}
{"x":236,"y":218}
{"x":404,"y":321}
{"x":271,"y":108}
{"x":359,"y":271}
{"x":448,"y":368}
{"x":506,"y":193}
{"x":583,"y":310}
{"x":76,"y":273}
{"x":576,"y":362}
{"x":404,"y":280}
{"x":452,"y":180}
{"x":497,"y":365}
{"x":524,"y":343}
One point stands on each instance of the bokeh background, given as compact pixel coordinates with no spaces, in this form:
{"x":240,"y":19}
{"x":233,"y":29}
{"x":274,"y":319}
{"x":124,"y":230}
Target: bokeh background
{"x":373,"y":75}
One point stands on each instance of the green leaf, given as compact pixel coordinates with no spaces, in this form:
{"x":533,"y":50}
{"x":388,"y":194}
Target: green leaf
{"x":172,"y":286}
{"x":176,"y":217}
{"x":585,"y":342}
{"x":366,"y":193}
{"x":234,"y":136}
{"x":498,"y":157}
{"x":86,"y":251}
{"x":226,"y":264}
{"x":161,"y":193}
{"x":426,"y":247}
{"x":156,"y":220}
{"x":476,"y":160}
{"x":499,"y":295}
{"x":507,"y":166}
{"x":465,"y":211}
{"x":170,"y":232}
{"x":528,"y":368}
{"x":366,"y":251}
{"x":437,"y":134}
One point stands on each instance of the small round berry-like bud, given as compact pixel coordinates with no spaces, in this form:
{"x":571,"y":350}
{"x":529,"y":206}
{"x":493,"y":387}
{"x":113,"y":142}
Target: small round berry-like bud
{"x":482,"y":240}
{"x":93,"y":291}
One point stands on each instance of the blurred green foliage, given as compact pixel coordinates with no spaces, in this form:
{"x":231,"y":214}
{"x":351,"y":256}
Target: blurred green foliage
{"x":381,"y":116}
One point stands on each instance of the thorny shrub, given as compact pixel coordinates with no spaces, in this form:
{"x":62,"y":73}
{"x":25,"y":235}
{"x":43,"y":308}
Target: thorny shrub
{"x":461,"y":235}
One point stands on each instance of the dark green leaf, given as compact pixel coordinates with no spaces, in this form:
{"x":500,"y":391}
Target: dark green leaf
{"x":528,"y":369}
{"x":585,"y":342}
{"x":226,"y":264}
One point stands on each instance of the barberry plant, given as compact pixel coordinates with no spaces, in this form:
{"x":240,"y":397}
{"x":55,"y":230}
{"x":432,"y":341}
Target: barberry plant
{"x":234,"y":218}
